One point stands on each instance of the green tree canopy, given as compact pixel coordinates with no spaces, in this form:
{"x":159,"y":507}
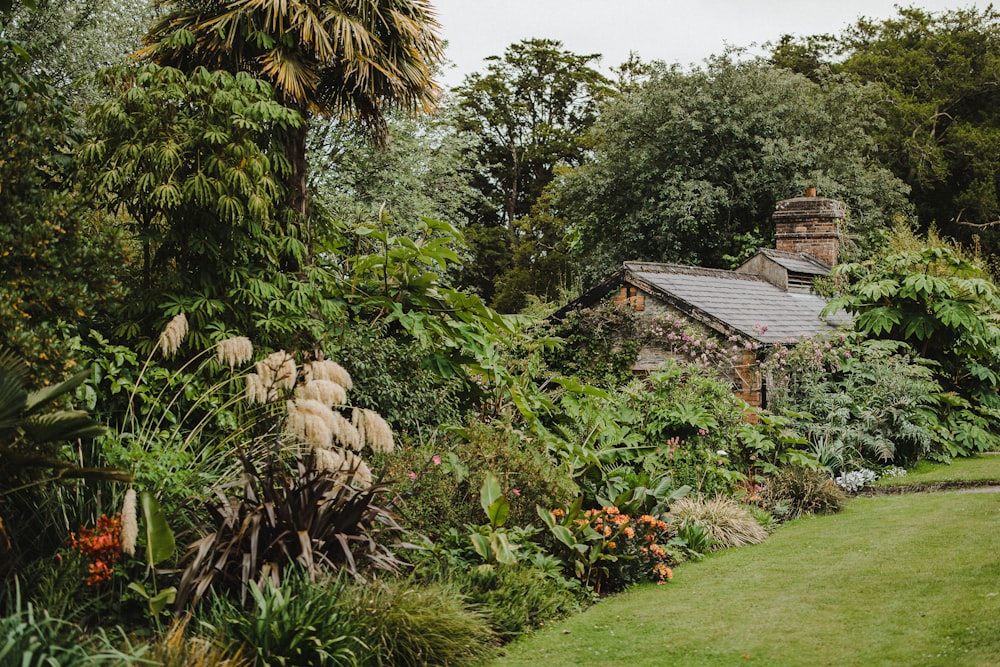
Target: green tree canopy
{"x":938,"y":75}
{"x":58,"y":263}
{"x":530,"y":111}
{"x":194,"y":165}
{"x":689,"y":165}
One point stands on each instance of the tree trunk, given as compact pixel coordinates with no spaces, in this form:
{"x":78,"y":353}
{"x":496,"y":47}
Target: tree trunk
{"x":298,"y":179}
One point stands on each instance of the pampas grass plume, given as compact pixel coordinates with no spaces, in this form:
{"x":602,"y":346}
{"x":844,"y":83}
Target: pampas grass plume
{"x":329,"y":370}
{"x":345,"y":433}
{"x":130,"y":523}
{"x":374,"y":430}
{"x":326,"y":392}
{"x":173,"y":334}
{"x":312,"y":422}
{"x":234,"y":351}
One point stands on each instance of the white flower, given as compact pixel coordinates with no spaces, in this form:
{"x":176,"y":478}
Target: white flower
{"x":722,"y":452}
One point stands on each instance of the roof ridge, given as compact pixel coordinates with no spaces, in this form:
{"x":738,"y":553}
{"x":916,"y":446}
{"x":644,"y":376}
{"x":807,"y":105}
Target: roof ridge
{"x":659,"y":267}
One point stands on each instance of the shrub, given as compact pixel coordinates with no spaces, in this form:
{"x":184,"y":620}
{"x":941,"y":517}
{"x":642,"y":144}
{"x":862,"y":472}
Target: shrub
{"x":518,"y":598}
{"x":727,"y":522}
{"x":401,"y":623}
{"x":297,"y":623}
{"x":437,"y":484}
{"x":799,"y":491}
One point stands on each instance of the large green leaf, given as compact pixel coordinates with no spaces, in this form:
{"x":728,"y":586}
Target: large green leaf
{"x":490,"y":492}
{"x":159,"y":537}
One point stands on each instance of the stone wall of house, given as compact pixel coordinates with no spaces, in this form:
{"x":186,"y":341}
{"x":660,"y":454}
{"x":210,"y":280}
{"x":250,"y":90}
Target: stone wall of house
{"x":745,"y":377}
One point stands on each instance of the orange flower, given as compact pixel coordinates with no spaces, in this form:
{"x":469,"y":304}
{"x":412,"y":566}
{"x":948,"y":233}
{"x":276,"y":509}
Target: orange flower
{"x":612,"y":545}
{"x":558,"y":513}
{"x":629,"y":533}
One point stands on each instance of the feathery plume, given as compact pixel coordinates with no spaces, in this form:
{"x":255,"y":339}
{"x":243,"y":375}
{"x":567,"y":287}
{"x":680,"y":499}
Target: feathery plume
{"x":173,"y":334}
{"x":327,"y":392}
{"x":130,"y":523}
{"x":312,"y":422}
{"x":345,"y":433}
{"x":360,"y":472}
{"x":276,"y":371}
{"x":234,"y":351}
{"x":329,"y":460}
{"x":256,"y":391}
{"x":329,"y":370}
{"x":374,"y":430}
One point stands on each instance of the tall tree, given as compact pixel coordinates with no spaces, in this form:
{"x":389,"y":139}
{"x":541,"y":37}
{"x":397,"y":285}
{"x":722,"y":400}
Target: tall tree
{"x":688,"y":166}
{"x":938,"y":73}
{"x":342,"y":58}
{"x":530,"y":110}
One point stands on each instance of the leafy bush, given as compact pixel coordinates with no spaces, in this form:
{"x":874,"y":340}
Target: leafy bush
{"x":437,"y":483}
{"x":392,"y":378}
{"x":857,"y":401}
{"x":300,"y":622}
{"x":797,"y":491}
{"x":608,"y":550}
{"x":600,"y":345}
{"x":402,"y":623}
{"x":726,"y":521}
{"x":518,"y":598}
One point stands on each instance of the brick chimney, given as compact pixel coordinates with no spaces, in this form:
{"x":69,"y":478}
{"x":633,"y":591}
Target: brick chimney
{"x":809,"y":225}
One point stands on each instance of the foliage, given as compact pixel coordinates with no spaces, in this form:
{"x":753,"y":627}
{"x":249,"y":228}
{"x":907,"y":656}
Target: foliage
{"x":404,"y":623}
{"x":686,"y":163}
{"x":176,"y":648}
{"x":855,"y":400}
{"x":944,"y":307}
{"x":517,"y":598}
{"x":608,"y":550}
{"x":305,"y":515}
{"x":423,"y":171}
{"x":795,"y":491}
{"x":70,"y":39}
{"x":393,"y":377}
{"x":196,"y":163}
{"x":59,"y":263}
{"x":726,"y":522}
{"x":35,"y":638}
{"x":438,"y":482}
{"x":530,"y":111}
{"x":300,"y":622}
{"x":599,"y":347}
{"x":937,"y":72}
{"x":341,"y":59}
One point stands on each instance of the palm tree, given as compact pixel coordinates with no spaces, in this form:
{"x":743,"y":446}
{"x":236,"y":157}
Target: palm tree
{"x":349,"y":59}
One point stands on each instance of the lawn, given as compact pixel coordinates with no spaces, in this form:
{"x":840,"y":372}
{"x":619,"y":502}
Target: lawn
{"x":891,"y":580}
{"x":974,"y":469}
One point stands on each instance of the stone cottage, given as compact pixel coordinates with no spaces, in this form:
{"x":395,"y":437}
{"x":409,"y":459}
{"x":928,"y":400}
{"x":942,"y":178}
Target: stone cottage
{"x":767,"y":301}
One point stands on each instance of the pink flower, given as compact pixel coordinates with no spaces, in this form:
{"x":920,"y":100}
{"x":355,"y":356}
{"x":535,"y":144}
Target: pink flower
{"x":436,"y":460}
{"x":516,"y":492}
{"x":412,"y":475}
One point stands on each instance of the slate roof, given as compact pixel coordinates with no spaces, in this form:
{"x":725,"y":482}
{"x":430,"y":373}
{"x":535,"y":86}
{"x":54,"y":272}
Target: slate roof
{"x":797,"y":262}
{"x":732,"y":302}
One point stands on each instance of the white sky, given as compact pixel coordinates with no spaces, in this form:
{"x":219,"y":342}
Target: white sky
{"x":682,"y":32}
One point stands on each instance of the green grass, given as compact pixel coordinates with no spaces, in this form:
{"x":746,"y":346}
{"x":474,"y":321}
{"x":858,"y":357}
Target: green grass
{"x":984,"y":467}
{"x":891,"y":580}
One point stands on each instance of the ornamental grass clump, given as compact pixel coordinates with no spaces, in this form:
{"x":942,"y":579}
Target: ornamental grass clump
{"x":727,"y":522}
{"x":796,"y":491}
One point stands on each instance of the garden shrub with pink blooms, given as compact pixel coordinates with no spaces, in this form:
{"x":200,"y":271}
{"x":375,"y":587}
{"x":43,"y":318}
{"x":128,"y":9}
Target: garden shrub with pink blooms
{"x":437,"y":483}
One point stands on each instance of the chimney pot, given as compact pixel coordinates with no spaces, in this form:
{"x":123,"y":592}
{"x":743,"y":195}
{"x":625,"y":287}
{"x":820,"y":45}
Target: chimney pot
{"x":810,"y":192}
